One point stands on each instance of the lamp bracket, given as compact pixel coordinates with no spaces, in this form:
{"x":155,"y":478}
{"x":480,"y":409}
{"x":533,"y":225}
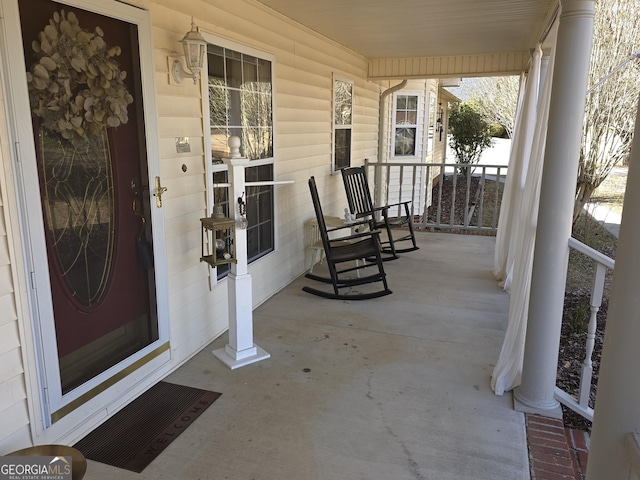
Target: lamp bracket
{"x":179,"y":74}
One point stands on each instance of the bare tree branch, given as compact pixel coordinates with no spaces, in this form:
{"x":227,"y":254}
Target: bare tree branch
{"x":611,"y":104}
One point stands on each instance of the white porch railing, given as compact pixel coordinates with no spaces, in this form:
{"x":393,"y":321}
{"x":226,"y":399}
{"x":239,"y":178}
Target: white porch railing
{"x":602,"y":263}
{"x":474,"y":193}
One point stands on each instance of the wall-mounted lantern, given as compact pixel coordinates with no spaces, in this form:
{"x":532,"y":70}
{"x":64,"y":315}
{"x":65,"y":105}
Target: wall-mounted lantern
{"x":195,"y":47}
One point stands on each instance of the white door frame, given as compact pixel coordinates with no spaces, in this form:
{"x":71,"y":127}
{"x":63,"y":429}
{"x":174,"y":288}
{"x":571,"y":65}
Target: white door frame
{"x":52,"y":403}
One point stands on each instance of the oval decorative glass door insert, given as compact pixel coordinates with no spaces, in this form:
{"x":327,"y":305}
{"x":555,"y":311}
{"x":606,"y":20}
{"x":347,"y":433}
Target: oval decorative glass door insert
{"x":77,"y":184}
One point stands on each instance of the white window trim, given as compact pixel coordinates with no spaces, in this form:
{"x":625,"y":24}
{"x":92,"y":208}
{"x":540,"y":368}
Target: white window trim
{"x":210,"y":168}
{"x":334,"y":127}
{"x":419,"y":133}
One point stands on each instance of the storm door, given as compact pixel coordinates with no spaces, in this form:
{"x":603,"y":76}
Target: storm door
{"x":91,"y":154}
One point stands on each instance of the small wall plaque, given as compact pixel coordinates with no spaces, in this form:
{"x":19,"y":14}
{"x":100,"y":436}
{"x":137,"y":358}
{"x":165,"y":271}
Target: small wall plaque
{"x":183,"y":145}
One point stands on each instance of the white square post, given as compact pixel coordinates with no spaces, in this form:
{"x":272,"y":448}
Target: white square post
{"x":240,"y":350}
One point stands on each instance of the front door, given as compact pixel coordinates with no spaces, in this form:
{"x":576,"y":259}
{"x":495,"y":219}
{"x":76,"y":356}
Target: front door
{"x":87,"y":109}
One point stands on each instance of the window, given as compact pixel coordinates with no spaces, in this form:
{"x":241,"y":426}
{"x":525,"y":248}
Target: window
{"x":342,"y":122}
{"x":405,"y":125}
{"x":240,"y":104}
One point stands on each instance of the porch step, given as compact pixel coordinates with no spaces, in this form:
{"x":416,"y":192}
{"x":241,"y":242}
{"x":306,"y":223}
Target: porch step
{"x":556,"y":452}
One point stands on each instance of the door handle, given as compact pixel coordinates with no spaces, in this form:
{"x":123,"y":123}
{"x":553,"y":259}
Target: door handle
{"x":159,"y":191}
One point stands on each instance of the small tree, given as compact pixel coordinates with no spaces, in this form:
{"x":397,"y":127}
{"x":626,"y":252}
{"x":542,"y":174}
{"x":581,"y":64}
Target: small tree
{"x":469,"y":134}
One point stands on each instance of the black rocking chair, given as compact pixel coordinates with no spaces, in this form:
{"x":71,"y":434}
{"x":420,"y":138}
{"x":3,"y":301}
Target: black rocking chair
{"x":361,"y":205}
{"x":346,"y":259}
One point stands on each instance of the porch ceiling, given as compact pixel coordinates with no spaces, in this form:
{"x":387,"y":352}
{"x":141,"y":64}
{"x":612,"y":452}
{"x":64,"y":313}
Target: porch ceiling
{"x":424,"y":28}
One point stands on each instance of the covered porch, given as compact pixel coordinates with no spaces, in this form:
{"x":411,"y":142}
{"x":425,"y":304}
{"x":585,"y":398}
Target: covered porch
{"x":395,"y":387}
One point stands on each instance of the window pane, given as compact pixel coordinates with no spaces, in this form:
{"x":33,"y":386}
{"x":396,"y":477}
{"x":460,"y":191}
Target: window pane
{"x":234,"y":70}
{"x":412,"y":102}
{"x":215,"y":63}
{"x":342,"y":100}
{"x":219,"y":145}
{"x":256,"y":107}
{"x":260,"y":232}
{"x":342,"y":148}
{"x":221,"y":195}
{"x":264,"y":71}
{"x":218,"y":103}
{"x":401,"y":118}
{"x":266,"y":238}
{"x":251,"y":108}
{"x":234,"y":98}
{"x":250,"y":69}
{"x":405,"y":141}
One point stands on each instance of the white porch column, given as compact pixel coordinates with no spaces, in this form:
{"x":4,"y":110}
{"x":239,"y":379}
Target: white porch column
{"x":571,"y":68}
{"x":617,"y":410}
{"x":240,"y":350}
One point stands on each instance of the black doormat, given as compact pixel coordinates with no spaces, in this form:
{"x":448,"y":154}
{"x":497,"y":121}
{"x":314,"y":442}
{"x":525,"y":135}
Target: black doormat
{"x":138,"y":433}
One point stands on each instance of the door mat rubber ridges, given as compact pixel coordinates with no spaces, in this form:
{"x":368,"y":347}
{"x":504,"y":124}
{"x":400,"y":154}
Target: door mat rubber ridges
{"x":138,"y":433}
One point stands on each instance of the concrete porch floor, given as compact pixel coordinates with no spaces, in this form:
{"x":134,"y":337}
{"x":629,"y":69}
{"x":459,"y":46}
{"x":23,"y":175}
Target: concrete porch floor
{"x":392,"y":388}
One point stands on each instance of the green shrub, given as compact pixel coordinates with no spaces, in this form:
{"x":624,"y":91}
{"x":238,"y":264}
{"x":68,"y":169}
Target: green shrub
{"x":469,"y":134}
{"x":497,"y":130}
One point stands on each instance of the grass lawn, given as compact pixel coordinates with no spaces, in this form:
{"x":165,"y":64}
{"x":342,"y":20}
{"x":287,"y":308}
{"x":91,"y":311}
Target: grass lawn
{"x":610,"y":193}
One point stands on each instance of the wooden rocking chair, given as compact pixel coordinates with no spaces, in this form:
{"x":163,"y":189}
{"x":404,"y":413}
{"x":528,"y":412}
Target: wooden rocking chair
{"x":361,"y":205}
{"x":348,"y":254}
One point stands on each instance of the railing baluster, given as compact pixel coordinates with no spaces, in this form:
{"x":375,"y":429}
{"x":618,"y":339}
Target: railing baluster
{"x":467,"y":206}
{"x":587,"y":365}
{"x":400,"y":183}
{"x":413,"y":190}
{"x":453,"y":197}
{"x":387,"y":189}
{"x":425,"y":200}
{"x":440,"y":182}
{"x":483,"y":177}
{"x":496,"y":197}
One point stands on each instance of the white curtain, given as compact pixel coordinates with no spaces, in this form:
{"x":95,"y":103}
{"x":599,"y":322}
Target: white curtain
{"x":519,"y":257}
{"x":506,"y":236}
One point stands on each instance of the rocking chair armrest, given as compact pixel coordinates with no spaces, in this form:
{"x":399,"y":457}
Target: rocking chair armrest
{"x":349,"y":225}
{"x":372,"y":211}
{"x":356,"y":236}
{"x":405,"y":203}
